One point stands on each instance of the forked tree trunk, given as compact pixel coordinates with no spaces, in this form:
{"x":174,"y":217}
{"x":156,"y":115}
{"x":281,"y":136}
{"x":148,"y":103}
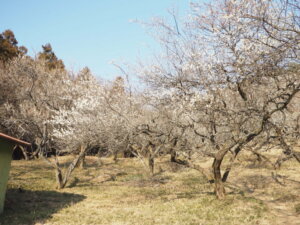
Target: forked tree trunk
{"x":63,"y":180}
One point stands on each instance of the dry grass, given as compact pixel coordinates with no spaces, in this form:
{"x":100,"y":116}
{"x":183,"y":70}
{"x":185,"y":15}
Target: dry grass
{"x":122,"y":193}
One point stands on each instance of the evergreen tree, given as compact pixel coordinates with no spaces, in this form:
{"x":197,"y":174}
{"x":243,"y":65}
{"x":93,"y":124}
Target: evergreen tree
{"x":52,"y":62}
{"x":9,"y":46}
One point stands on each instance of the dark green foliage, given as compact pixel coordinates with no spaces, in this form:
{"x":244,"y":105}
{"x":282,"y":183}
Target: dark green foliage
{"x":52,"y":62}
{"x":9,"y":48}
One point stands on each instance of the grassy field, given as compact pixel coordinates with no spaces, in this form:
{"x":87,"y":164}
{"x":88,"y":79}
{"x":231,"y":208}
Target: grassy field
{"x":122,"y":193}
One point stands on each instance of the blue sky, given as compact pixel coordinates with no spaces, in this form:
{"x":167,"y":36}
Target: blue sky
{"x":87,"y":33}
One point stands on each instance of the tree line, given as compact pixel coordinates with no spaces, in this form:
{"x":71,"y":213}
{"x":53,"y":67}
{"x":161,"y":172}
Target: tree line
{"x":227,"y":80}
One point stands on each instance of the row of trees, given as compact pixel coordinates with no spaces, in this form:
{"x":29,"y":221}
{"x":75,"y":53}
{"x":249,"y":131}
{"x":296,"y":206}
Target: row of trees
{"x":232,"y":77}
{"x":227,"y":81}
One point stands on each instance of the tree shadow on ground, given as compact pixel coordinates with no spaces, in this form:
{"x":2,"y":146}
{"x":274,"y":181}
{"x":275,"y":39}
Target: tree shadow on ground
{"x":32,"y":207}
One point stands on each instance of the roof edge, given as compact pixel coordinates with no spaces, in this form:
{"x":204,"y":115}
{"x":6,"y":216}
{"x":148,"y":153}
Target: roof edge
{"x":18,"y":141}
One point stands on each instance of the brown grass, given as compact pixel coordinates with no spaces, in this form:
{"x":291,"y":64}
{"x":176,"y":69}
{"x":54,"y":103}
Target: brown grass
{"x":122,"y":193}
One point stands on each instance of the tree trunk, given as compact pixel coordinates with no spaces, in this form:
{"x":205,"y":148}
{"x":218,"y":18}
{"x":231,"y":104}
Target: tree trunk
{"x":228,"y":169}
{"x":116,"y":156}
{"x":173,"y":155}
{"x":151,"y":156}
{"x":72,"y":166}
{"x":82,"y":163}
{"x":151,"y":164}
{"x":207,"y":174}
{"x":219,"y":185}
{"x":24,"y":152}
{"x":173,"y":152}
{"x":35,"y":154}
{"x":58,"y":175}
{"x":63,"y":180}
{"x":59,"y":178}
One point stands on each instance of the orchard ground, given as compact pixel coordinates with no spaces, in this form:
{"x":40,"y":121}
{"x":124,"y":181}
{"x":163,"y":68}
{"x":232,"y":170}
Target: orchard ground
{"x":106,"y":192}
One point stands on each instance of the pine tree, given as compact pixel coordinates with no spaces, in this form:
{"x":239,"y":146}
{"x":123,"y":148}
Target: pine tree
{"x":9,"y":48}
{"x":51,"y":60}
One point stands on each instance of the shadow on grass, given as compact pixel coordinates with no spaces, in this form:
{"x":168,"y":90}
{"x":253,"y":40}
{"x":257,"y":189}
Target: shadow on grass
{"x":31,"y":207}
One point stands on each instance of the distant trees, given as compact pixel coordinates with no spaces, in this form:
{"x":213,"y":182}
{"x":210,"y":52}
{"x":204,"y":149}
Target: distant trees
{"x":33,"y":94}
{"x":9,"y":48}
{"x":228,"y":81}
{"x":49,"y":57}
{"x":227,"y":75}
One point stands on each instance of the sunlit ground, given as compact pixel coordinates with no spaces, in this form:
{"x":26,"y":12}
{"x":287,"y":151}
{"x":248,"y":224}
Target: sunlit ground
{"x":122,"y":193}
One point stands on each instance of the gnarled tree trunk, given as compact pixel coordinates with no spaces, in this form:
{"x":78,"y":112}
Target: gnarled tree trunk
{"x":219,"y":185}
{"x":63,"y":180}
